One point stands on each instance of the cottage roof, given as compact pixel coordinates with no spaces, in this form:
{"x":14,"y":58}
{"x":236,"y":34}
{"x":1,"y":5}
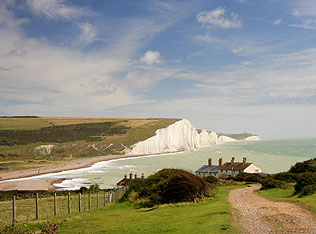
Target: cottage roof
{"x":208,"y":169}
{"x":125,"y":182}
{"x":236,"y":166}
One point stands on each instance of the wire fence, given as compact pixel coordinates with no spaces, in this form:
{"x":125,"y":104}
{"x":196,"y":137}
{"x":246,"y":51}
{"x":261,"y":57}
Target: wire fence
{"x":21,"y":210}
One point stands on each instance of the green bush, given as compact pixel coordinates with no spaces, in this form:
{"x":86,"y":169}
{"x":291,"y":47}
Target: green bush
{"x":270,"y":183}
{"x":211,"y":179}
{"x":306,"y":166}
{"x":169,"y":186}
{"x":305,"y":179}
{"x":308,"y":190}
{"x":248,"y":177}
{"x":286,"y":176}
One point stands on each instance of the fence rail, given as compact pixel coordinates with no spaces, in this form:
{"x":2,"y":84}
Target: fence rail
{"x":20,"y":210}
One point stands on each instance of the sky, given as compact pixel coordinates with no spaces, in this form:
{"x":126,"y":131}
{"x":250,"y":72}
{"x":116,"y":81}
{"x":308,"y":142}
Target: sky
{"x":226,"y":65}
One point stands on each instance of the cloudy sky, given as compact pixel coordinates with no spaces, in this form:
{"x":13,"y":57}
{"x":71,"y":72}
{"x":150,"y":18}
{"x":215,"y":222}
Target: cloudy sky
{"x":226,"y":65}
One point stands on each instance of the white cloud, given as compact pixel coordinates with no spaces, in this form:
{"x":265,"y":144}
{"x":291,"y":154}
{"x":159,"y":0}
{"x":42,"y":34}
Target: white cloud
{"x":216,"y":18}
{"x":151,"y":58}
{"x":277,"y":21}
{"x":309,"y":23}
{"x":56,"y":9}
{"x":88,"y":33}
{"x":304,"y":8}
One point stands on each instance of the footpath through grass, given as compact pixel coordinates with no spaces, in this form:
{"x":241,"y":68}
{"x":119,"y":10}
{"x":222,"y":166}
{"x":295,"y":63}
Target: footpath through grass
{"x":308,"y":202}
{"x":212,"y":216}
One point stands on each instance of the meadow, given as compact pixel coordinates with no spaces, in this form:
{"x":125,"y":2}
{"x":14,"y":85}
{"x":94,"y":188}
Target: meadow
{"x":207,"y":216}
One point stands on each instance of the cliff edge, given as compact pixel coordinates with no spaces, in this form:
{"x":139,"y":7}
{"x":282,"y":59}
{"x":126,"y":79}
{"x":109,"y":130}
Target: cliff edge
{"x":180,"y":136}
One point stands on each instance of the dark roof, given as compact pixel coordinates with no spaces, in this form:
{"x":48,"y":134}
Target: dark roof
{"x":125,"y":182}
{"x":208,"y":169}
{"x":236,"y":166}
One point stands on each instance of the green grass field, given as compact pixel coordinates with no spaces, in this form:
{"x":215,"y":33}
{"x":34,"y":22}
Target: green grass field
{"x":308,"y":202}
{"x":211,"y":216}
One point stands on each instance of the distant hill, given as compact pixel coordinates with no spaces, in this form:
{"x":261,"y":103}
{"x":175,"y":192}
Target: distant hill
{"x":238,"y":136}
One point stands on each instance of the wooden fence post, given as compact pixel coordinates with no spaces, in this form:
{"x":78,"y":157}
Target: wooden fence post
{"x":55,"y":205}
{"x":79,"y":202}
{"x":69,"y":204}
{"x":36,"y":204}
{"x":13,"y":211}
{"x":104,"y":201}
{"x":89,"y":201}
{"x":97,"y":199}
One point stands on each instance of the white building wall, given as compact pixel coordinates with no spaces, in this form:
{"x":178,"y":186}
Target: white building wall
{"x":253,"y":169}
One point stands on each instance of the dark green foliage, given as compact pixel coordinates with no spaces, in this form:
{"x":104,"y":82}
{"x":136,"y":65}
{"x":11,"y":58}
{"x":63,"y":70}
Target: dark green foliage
{"x":20,"y":116}
{"x":62,"y":133}
{"x":270,"y":183}
{"x":286,"y":176}
{"x":308,"y":190}
{"x":306,"y":166}
{"x":211,"y":179}
{"x":247,"y":177}
{"x":135,"y":186}
{"x":305,"y":179}
{"x":170,"y":186}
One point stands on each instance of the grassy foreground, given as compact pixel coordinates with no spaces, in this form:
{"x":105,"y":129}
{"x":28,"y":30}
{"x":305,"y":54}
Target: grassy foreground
{"x":212,"y":216}
{"x":308,"y":202}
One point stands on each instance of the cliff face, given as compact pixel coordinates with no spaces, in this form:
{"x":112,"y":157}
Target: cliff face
{"x":180,"y":136}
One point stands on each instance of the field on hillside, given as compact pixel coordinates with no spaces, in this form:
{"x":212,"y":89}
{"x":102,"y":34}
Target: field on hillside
{"x":23,"y":140}
{"x":209,"y":216}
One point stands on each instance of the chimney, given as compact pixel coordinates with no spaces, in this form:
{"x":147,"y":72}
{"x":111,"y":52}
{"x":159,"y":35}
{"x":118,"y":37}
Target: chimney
{"x":131,"y":175}
{"x":220,"y":162}
{"x":210,"y":161}
{"x":125,"y":176}
{"x":244,"y":160}
{"x":233,"y":159}
{"x":143,"y":176}
{"x":135,"y":176}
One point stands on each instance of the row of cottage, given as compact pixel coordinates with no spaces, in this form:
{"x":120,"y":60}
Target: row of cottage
{"x":231,"y":168}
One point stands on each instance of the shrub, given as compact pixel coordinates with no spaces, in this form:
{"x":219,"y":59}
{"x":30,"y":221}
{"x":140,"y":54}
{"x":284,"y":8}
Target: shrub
{"x":286,"y":176}
{"x":247,"y":177}
{"x":308,"y":190}
{"x":305,"y":179}
{"x":94,"y":188}
{"x":306,"y":166}
{"x":135,"y":186}
{"x":270,"y":183}
{"x":211,"y":179}
{"x":168,"y":186}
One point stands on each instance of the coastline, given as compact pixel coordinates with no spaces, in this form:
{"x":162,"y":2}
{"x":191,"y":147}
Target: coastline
{"x":47,"y":185}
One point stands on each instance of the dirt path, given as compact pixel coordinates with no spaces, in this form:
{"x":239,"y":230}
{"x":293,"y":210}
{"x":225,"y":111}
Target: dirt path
{"x":260,"y":215}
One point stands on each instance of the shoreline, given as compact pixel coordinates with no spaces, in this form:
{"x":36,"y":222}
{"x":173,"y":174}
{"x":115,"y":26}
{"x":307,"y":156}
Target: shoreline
{"x":6,"y":185}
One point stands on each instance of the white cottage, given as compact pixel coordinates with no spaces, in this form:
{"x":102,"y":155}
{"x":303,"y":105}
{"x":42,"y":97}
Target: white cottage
{"x":234,"y":168}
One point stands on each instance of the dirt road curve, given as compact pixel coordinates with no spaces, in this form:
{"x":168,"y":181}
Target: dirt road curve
{"x":258,"y":215}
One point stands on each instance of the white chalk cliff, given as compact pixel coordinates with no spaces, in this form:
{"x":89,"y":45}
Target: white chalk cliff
{"x":180,"y":136}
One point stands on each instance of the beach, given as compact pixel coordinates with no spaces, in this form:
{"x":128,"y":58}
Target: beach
{"x":47,"y":185}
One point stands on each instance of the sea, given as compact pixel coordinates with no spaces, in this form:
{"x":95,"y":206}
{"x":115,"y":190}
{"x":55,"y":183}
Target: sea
{"x":271,"y":156}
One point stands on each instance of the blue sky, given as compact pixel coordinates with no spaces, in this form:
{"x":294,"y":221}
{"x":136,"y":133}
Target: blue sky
{"x":226,"y":65}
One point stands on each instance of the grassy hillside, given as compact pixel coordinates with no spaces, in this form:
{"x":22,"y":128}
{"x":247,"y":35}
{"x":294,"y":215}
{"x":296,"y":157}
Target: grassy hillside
{"x":69,"y":137}
{"x":210,"y":216}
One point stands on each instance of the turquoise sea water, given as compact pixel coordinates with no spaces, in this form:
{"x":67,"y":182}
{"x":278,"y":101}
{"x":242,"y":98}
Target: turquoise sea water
{"x":270,"y":155}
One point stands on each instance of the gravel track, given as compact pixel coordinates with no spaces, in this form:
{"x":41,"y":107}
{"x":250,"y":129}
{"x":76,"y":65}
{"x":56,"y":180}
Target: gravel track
{"x":258,"y":215}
